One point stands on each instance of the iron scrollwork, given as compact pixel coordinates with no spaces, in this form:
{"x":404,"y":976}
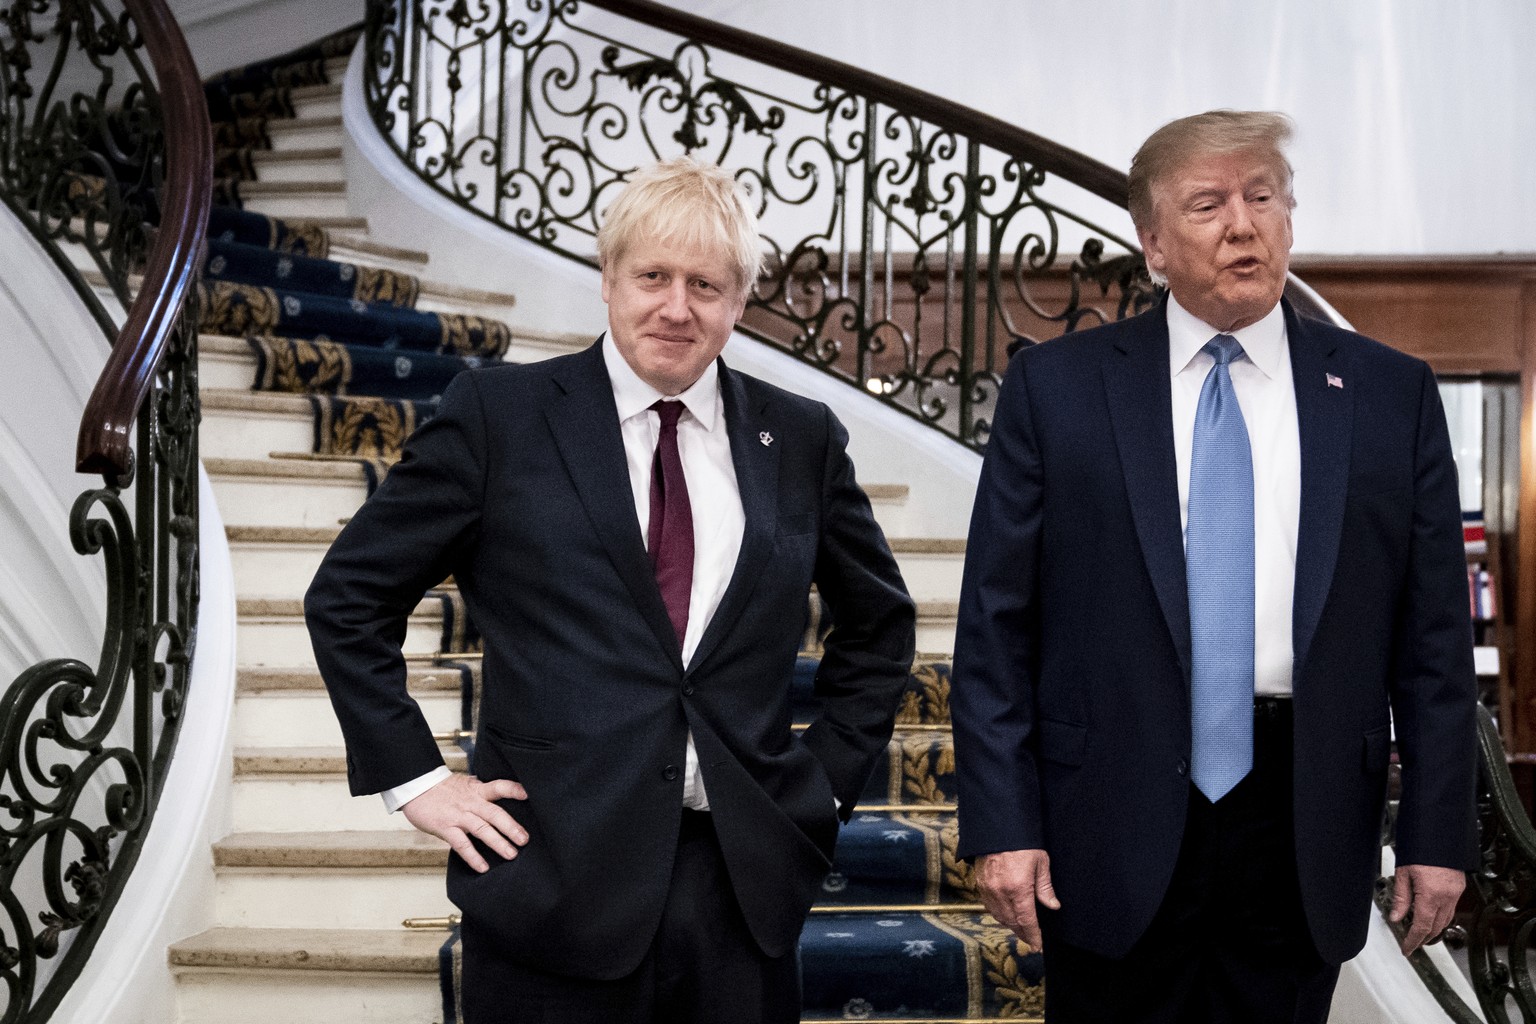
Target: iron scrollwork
{"x":1497,"y":918}
{"x":903,"y":256}
{"x":83,"y":748}
{"x":1502,"y":892}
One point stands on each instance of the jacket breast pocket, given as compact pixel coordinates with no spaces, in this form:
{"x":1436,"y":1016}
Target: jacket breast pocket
{"x":1063,"y":742}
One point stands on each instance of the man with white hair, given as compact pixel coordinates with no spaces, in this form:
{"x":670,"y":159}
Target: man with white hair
{"x":1215,"y":554}
{"x":636,"y":530}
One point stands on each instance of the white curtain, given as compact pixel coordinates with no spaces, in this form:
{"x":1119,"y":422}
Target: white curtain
{"x":1416,"y":119}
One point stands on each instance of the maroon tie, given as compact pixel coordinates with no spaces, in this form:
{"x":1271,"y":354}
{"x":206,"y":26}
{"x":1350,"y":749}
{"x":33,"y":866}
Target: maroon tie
{"x":670,"y":537}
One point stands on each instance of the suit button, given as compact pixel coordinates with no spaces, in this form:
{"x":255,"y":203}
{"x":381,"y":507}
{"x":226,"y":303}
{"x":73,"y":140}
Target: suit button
{"x":669,"y":772}
{"x":687,"y":689}
{"x":1183,"y":767}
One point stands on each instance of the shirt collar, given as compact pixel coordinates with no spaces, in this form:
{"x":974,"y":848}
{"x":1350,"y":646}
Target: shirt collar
{"x":1263,"y":342}
{"x":633,"y":396}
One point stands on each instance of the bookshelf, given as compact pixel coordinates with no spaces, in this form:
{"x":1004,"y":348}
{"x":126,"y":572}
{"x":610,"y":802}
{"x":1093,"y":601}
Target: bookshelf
{"x":1483,"y":414}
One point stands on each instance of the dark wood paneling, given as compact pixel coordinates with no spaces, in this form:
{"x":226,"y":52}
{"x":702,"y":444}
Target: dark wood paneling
{"x":1462,"y":315}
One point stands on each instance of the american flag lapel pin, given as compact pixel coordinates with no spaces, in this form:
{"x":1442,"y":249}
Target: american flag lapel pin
{"x":1335,"y":381}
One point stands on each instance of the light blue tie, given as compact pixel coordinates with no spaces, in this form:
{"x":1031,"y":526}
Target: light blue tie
{"x":1218,"y":549}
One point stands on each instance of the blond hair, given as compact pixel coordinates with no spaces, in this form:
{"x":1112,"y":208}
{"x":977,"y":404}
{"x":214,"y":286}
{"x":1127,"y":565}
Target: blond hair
{"x":1215,"y":131}
{"x":686,"y":202}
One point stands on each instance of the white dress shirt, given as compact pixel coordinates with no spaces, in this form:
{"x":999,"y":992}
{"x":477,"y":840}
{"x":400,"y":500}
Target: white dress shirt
{"x":1266,"y":392}
{"x":715,"y":500}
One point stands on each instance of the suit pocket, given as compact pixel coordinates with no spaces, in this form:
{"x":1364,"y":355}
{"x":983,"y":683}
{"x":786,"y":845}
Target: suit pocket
{"x":1378,"y":750}
{"x":795,"y":524}
{"x":518,"y":741}
{"x":1063,"y":742}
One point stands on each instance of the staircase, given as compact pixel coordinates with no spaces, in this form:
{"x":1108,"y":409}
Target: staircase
{"x":312,"y":884}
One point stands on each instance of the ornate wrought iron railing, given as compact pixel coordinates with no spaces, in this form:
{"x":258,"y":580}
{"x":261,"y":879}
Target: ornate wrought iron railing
{"x":1499,"y":909}
{"x":911,"y":240}
{"x":104,"y":133}
{"x":1502,"y":892}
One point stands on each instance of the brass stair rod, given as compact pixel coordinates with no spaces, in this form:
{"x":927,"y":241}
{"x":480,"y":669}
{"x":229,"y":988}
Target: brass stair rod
{"x":428,"y":924}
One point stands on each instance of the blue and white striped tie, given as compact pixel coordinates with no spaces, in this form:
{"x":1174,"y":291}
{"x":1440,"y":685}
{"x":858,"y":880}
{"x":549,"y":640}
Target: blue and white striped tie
{"x":1218,"y":547}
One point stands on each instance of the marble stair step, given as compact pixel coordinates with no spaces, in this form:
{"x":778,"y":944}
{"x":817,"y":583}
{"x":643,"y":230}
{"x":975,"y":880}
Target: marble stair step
{"x":307,"y":976}
{"x":321,"y":164}
{"x":320,"y":132}
{"x":244,"y":424}
{"x":270,"y":632}
{"x":329,"y":879}
{"x":291,"y":200}
{"x":297,"y":493}
{"x":316,"y":100}
{"x":304,"y":789}
{"x":351,"y":247}
{"x":285,"y":708}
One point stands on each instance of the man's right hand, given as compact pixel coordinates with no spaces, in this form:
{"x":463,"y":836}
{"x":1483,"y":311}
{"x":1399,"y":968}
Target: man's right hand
{"x":1011,"y":884}
{"x":462,"y":806}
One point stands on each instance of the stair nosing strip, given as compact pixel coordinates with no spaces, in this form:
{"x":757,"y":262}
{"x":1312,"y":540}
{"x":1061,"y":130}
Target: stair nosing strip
{"x":318,"y":187}
{"x":286,"y":469}
{"x":295,"y":156}
{"x":245,"y":534}
{"x":242,"y":400}
{"x":288,"y":125}
{"x":419,"y":680}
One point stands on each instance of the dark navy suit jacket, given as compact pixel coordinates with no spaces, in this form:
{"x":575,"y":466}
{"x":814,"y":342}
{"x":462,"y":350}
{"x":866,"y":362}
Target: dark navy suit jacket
{"x":519,"y":489}
{"x":1072,"y":663}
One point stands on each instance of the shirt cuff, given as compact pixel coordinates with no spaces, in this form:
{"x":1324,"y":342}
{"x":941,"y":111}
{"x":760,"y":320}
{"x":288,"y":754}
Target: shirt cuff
{"x":396,"y":798}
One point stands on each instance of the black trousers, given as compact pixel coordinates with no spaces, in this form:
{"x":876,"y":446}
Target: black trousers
{"x":1229,"y":944}
{"x":703,"y":967}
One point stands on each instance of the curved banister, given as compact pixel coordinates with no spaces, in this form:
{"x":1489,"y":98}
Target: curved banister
{"x":105,"y":438}
{"x":96,"y":144}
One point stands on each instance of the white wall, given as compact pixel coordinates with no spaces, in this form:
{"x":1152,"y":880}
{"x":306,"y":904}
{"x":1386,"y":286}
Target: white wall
{"x":226,"y":33}
{"x":52,"y":601}
{"x":1416,"y":125}
{"x":53,"y":605}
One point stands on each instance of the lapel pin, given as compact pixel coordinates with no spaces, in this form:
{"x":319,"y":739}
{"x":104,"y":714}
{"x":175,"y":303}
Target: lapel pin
{"x":766,"y":438}
{"x":1335,"y":382}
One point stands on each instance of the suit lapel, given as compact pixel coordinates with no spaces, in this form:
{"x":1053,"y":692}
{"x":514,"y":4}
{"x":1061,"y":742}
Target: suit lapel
{"x":757,"y":478}
{"x":585,"y":423}
{"x":1325,"y":417}
{"x":1137,"y":381}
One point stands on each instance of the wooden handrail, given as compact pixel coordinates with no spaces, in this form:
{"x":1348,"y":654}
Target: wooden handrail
{"x":104,"y":444}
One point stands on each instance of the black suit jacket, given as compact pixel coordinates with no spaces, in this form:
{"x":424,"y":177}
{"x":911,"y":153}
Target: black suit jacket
{"x":519,"y":489}
{"x":1072,"y":666}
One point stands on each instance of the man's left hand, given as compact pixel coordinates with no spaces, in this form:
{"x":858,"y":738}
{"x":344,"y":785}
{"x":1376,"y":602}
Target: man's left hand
{"x":1431,"y":894}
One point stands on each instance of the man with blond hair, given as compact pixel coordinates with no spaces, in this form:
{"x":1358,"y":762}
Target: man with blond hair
{"x":1215,"y":556}
{"x":636,"y":530}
